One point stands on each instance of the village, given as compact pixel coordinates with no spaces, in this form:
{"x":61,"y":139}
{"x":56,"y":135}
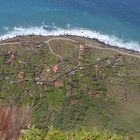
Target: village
{"x":67,"y":80}
{"x":54,"y":75}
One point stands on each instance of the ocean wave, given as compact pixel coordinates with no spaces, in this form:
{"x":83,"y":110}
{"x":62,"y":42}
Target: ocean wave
{"x":42,"y":30}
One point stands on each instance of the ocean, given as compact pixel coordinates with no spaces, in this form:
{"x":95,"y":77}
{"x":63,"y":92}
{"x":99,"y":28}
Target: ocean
{"x":114,"y":22}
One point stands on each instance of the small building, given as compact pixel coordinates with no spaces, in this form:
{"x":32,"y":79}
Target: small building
{"x":117,"y":56}
{"x":21,"y":75}
{"x":10,"y":52}
{"x":48,"y":70}
{"x":93,"y":94}
{"x":55,"y":69}
{"x":82,"y":47}
{"x":9,"y":61}
{"x":12,"y":56}
{"x":59,"y":84}
{"x":23,"y":62}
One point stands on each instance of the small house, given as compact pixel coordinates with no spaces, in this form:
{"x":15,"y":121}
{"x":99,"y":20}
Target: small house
{"x":59,"y":84}
{"x":55,"y":69}
{"x":21,"y":75}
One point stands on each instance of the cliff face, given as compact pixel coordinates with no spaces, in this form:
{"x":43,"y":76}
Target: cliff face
{"x":71,"y":82}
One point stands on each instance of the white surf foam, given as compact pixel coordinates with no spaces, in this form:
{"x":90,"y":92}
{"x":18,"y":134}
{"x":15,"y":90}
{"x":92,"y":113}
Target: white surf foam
{"x":6,"y":28}
{"x":107,"y":39}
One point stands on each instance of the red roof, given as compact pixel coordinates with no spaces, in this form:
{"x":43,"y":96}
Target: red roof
{"x":55,"y":69}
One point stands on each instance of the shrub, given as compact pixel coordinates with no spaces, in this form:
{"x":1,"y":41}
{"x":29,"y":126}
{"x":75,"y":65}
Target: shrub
{"x":32,"y":134}
{"x":56,"y":134}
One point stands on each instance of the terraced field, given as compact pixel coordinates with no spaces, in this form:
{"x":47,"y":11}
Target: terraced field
{"x":72,"y":82}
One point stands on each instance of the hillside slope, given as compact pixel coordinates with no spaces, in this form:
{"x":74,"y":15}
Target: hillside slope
{"x":71,"y":82}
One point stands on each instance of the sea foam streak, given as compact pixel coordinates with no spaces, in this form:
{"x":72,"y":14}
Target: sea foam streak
{"x":110,"y":40}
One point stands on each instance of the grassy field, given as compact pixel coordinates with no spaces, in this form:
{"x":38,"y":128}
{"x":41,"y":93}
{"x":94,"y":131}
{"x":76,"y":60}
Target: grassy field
{"x":92,"y":86}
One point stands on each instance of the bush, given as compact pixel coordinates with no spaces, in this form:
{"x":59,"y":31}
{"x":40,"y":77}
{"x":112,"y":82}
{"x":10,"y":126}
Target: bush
{"x":56,"y":134}
{"x":32,"y":134}
{"x":83,"y":134}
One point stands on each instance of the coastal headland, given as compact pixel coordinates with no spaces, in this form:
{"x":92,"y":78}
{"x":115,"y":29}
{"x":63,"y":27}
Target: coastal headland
{"x":70,"y":81}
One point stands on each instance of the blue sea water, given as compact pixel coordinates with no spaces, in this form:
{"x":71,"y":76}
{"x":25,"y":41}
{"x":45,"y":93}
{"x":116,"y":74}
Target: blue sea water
{"x":115,"y":22}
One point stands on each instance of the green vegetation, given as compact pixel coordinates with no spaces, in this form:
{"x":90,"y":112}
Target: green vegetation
{"x":72,"y":82}
{"x":32,"y":134}
{"x":56,"y":134}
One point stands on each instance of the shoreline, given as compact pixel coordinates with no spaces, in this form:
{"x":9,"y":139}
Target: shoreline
{"x":41,"y":38}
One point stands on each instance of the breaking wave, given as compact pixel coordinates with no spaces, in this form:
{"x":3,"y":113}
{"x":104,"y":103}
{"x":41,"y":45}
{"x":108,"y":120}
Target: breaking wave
{"x":46,"y":31}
